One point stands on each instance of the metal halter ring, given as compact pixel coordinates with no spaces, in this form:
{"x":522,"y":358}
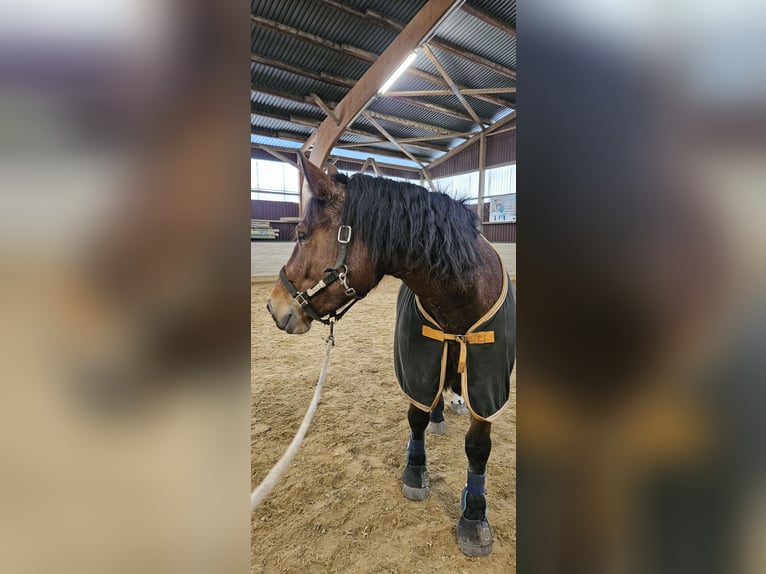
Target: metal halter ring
{"x":347,"y":238}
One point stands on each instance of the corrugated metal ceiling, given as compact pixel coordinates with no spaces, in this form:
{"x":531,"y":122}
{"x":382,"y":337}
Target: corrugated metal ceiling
{"x":279,"y":94}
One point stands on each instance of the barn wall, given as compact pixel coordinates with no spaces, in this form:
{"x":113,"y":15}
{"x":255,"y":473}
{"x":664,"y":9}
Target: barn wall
{"x":501,"y":150}
{"x":273,"y":211}
{"x":500,"y":232}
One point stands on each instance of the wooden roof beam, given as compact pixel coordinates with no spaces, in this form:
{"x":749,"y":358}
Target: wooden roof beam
{"x":431,"y":106}
{"x":392,"y":139}
{"x":301,"y":138}
{"x":456,"y":150}
{"x":489,"y":19}
{"x":314,"y":75}
{"x":453,"y":86}
{"x":347,"y":49}
{"x":336,"y":158}
{"x":324,"y":107}
{"x":437,"y":81}
{"x":501,"y":122}
{"x":464,"y":91}
{"x":315,"y":123}
{"x":397,"y":27}
{"x":414,"y":124}
{"x":280,"y":156}
{"x":363,"y":55}
{"x":473,"y":58}
{"x":363,"y":91}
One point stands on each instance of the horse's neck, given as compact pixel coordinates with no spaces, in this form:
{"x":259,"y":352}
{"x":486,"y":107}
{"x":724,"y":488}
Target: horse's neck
{"x":457,"y":308}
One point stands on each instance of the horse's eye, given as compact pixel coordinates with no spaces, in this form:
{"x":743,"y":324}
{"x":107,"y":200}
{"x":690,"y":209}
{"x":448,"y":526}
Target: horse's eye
{"x":301,"y":237}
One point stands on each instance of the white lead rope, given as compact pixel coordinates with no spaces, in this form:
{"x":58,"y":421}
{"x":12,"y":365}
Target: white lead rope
{"x":268,"y":483}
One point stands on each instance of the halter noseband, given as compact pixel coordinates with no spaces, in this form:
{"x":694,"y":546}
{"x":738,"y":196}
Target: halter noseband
{"x":338,"y":272}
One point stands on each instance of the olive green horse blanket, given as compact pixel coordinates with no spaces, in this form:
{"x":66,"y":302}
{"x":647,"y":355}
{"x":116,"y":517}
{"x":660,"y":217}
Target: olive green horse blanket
{"x":487,"y":354}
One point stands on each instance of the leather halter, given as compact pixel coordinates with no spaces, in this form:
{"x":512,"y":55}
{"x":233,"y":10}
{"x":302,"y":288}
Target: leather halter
{"x":338,"y":272}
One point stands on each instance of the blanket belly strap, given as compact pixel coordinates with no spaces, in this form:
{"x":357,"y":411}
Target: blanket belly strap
{"x":478,"y":338}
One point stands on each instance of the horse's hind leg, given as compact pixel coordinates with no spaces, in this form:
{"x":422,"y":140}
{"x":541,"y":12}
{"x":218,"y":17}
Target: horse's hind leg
{"x":415,"y":483}
{"x":474,"y":535}
{"x":436,"y":423}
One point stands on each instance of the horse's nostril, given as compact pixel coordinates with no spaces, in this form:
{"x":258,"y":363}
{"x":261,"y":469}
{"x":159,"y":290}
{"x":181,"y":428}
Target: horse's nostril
{"x":268,"y":306}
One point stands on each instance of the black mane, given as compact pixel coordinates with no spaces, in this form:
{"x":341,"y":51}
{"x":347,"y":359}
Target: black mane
{"x":406,"y":226}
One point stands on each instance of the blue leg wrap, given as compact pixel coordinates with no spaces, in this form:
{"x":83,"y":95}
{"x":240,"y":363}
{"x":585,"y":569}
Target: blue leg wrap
{"x":416,"y":447}
{"x":474,"y":485}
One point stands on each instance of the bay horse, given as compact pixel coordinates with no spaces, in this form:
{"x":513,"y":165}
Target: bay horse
{"x":455,"y":311}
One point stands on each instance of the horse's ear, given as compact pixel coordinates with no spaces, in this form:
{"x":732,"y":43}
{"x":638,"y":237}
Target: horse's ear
{"x":332,"y":171}
{"x":320,"y":184}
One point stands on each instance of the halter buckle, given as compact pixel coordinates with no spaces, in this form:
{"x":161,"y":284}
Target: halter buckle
{"x":301,"y":299}
{"x":344,"y":237}
{"x":343,"y":278}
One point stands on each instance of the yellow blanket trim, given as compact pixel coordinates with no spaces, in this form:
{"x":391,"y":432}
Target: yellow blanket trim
{"x":478,"y":338}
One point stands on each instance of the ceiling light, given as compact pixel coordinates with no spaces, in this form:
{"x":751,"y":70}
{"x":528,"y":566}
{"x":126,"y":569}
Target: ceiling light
{"x":399,"y":71}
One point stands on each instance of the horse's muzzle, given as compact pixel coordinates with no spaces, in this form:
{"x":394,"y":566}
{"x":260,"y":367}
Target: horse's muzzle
{"x":288,"y":317}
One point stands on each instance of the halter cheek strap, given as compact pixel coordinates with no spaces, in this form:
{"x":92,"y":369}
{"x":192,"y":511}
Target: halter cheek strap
{"x":338,"y":272}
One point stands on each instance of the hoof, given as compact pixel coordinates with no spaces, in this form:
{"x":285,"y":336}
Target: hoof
{"x":458,"y":408}
{"x":415,"y":482}
{"x":474,"y":537}
{"x":437,"y":428}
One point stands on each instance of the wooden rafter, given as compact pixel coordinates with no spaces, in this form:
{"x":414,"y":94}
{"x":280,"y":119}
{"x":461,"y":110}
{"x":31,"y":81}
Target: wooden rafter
{"x":489,"y":19}
{"x":314,"y":75}
{"x":454,"y":151}
{"x":414,"y":124}
{"x":314,"y":39}
{"x":490,"y":130}
{"x":280,"y":156}
{"x":445,"y":133}
{"x":473,"y":58}
{"x":301,"y":138}
{"x":335,"y":158}
{"x":414,"y":141}
{"x":464,"y":91}
{"x":501,"y":122}
{"x":395,"y":26}
{"x":437,"y":81}
{"x":315,"y":123}
{"x":324,"y":107}
{"x":393,"y":140}
{"x":453,"y":86}
{"x":348,"y":50}
{"x":431,"y":106}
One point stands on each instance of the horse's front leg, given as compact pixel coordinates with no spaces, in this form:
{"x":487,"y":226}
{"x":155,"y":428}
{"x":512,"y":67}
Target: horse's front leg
{"x":474,"y":535}
{"x":415,"y":483}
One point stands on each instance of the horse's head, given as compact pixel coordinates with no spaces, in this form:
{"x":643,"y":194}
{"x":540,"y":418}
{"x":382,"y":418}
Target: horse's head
{"x":327,"y":251}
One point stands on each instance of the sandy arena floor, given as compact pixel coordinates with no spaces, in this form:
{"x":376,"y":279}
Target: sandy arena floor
{"x":339,"y":506}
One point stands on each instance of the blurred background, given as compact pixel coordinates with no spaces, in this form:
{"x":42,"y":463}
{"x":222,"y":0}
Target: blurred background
{"x":124,"y":166}
{"x":642,"y":319}
{"x":124,"y":340}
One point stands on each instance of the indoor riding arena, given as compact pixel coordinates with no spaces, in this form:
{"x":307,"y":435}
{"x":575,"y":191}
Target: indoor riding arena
{"x":421,"y":92}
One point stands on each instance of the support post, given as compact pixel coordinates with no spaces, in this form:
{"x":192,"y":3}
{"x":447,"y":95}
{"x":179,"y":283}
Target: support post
{"x":482,"y":170}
